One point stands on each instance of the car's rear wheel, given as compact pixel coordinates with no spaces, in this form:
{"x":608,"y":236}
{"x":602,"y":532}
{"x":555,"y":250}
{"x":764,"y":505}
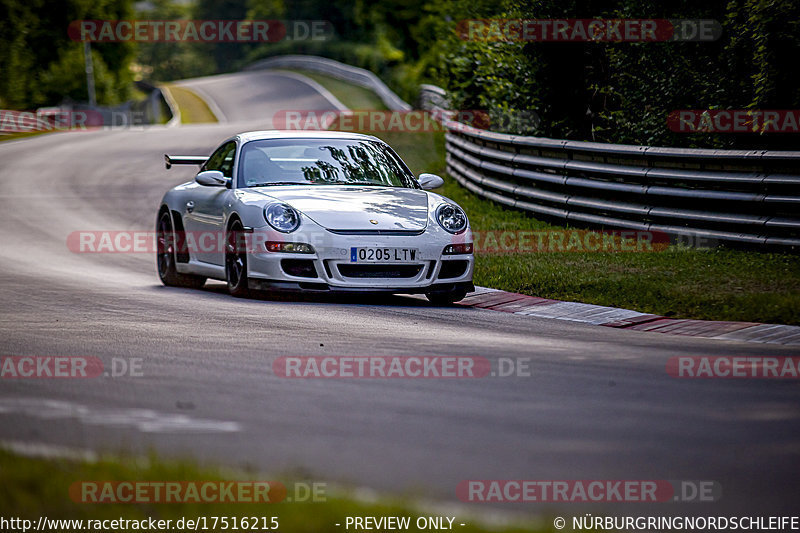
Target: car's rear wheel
{"x":165,"y":257}
{"x":446,"y":297}
{"x":236,"y":260}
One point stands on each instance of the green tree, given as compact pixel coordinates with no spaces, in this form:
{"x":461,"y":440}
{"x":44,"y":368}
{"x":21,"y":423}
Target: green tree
{"x":41,"y":63}
{"x":167,"y":61}
{"x":623,"y":92}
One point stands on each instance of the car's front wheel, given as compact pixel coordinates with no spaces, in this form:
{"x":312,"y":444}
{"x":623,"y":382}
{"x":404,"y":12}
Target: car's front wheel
{"x":236,"y":260}
{"x":165,"y":257}
{"x":446,"y":297}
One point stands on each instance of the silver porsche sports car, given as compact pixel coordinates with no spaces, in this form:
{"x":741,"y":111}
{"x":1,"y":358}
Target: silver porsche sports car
{"x":312,"y":211}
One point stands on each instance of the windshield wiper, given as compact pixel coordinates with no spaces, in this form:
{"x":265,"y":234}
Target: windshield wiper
{"x":267,"y":184}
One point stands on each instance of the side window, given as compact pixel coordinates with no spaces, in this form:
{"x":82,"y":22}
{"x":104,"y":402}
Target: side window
{"x":222,"y":159}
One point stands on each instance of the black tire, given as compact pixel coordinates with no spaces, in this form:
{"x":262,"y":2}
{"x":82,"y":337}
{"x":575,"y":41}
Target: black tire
{"x":165,"y":257}
{"x":446,"y":297}
{"x":236,"y":260}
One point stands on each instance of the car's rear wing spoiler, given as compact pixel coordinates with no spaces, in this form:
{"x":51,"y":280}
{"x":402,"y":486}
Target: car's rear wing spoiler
{"x":170,"y":160}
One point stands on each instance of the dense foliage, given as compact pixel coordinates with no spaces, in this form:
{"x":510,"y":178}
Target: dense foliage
{"x":623,"y":92}
{"x":41,"y":65}
{"x":603,"y":91}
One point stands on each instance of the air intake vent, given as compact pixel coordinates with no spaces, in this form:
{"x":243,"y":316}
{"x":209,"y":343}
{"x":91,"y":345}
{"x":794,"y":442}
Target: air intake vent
{"x":379,"y":271}
{"x":453,"y":269}
{"x":302,"y":268}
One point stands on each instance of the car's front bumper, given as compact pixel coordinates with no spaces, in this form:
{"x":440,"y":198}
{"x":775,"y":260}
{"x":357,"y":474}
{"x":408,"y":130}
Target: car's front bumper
{"x":329,"y":268}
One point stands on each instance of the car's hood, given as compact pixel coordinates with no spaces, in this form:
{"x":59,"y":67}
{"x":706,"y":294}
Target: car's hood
{"x":351,"y":207}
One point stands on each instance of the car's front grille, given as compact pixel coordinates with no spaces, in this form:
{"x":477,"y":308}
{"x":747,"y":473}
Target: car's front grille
{"x":379,"y":271}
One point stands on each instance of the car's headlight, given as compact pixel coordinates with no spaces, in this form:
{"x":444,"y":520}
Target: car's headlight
{"x":282,"y":217}
{"x":451,"y":217}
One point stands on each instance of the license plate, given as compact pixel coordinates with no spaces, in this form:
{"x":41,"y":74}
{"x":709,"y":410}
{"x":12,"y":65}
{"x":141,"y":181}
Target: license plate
{"x":383,"y":255}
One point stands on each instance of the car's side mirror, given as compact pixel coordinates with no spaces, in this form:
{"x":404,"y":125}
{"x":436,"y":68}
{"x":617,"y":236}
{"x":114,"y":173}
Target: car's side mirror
{"x":212,"y":178}
{"x":430,"y":181}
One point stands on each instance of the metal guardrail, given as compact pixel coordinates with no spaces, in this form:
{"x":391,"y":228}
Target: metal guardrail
{"x":432,"y":98}
{"x":358,"y":76}
{"x":736,"y":196}
{"x":133,"y":113}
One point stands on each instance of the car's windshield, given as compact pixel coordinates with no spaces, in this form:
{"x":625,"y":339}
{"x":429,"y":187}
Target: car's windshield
{"x":321,"y":162}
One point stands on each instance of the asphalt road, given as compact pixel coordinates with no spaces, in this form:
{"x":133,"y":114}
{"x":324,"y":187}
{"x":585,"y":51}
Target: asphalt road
{"x":599,"y":404}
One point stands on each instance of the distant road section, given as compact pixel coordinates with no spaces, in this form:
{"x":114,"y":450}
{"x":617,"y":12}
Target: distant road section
{"x":252,"y":96}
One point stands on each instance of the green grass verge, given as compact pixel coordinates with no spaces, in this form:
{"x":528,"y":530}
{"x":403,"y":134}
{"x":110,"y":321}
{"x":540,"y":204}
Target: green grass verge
{"x":32,"y":487}
{"x":192,"y":108}
{"x":720,"y":284}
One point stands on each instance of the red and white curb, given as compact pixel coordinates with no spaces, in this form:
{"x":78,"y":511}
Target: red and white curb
{"x":521,"y":304}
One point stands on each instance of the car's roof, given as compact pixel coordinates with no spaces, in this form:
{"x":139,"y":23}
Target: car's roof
{"x":301,"y":134}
